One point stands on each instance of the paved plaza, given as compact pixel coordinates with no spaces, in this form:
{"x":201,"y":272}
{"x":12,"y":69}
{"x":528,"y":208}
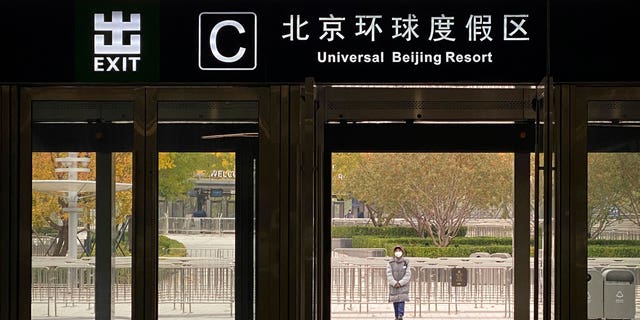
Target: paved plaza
{"x":209,"y":312}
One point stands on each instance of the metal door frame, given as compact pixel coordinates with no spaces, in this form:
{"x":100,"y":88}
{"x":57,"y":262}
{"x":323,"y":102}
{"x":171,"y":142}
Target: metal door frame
{"x":145,"y":121}
{"x":245,"y":151}
{"x":570,"y":163}
{"x":27,"y":96}
{"x":347,"y":104}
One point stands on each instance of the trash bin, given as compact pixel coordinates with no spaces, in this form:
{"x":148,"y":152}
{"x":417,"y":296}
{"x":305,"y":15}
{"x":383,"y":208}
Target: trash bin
{"x":619,"y":294}
{"x":595,"y":308}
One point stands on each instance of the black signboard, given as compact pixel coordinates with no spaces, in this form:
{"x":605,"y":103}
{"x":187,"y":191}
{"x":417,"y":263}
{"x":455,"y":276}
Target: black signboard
{"x":240,"y":41}
{"x":595,"y":40}
{"x":459,"y":277}
{"x":116,"y":42}
{"x":216,"y":193}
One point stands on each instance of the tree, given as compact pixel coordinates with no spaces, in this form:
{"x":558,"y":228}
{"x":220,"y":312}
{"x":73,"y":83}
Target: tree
{"x":48,"y":210}
{"x":436,"y":193}
{"x":45,"y":206}
{"x":441,"y":191}
{"x":177,"y":170}
{"x":604,"y":191}
{"x":362,"y":176}
{"x":628,"y":177}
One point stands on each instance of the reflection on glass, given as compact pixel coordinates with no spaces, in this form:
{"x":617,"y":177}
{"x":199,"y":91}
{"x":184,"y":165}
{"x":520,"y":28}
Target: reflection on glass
{"x":447,"y":210}
{"x":64,"y":232}
{"x":197,"y":235}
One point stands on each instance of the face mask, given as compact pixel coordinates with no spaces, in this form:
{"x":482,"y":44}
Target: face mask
{"x":398,"y":254}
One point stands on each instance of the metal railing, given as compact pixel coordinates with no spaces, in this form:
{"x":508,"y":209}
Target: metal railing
{"x":182,"y":282}
{"x":179,"y":225}
{"x":217,"y":253}
{"x":357,"y":285}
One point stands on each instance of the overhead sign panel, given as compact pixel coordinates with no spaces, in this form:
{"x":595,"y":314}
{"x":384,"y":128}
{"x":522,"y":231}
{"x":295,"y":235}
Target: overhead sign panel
{"x":348,"y":41}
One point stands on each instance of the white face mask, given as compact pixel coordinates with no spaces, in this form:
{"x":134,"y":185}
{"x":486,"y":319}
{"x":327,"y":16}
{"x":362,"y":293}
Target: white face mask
{"x":398,"y":254}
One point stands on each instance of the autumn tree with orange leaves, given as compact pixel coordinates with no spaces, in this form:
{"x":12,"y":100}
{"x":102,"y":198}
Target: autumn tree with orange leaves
{"x":176,"y":173}
{"x":48,"y":214}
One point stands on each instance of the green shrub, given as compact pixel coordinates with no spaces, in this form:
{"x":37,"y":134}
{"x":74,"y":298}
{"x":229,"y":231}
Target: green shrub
{"x":451,"y":251}
{"x":613,"y":251}
{"x":377,"y":242}
{"x":171,"y":248}
{"x":383,"y":232}
{"x":482,"y":241}
{"x":614,"y":242}
{"x":375,"y":237}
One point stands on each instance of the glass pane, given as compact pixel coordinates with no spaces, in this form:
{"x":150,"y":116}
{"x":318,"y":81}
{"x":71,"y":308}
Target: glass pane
{"x":453,"y":215}
{"x":64,"y":233}
{"x":614,"y":232}
{"x":613,"y":209}
{"x":81,"y":252}
{"x":206,"y":211}
{"x":197,"y":235}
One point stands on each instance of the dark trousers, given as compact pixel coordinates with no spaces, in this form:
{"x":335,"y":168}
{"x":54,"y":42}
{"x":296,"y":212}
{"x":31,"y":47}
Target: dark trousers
{"x":398,"y":308}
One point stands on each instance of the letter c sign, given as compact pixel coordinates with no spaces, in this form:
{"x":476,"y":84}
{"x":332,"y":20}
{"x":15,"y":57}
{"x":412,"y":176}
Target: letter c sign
{"x":213,"y":38}
{"x":228,"y":41}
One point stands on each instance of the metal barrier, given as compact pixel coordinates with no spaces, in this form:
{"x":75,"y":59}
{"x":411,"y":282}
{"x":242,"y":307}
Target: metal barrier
{"x":358,"y":284}
{"x":187,"y":285}
{"x":217,"y":253}
{"x":181,"y":282}
{"x":489,"y":231}
{"x":188,"y":225}
{"x":619,"y":235}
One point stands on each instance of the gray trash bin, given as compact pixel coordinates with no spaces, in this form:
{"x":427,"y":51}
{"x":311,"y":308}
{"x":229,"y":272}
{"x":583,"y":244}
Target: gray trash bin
{"x":595,"y":282}
{"x":619,"y":294}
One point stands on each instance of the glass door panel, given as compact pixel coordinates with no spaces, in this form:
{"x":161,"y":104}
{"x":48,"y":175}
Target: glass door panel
{"x":457,"y":192}
{"x":452,"y":212}
{"x":206,"y":206}
{"x":613,"y":205}
{"x":197,"y":245}
{"x":81,"y":209}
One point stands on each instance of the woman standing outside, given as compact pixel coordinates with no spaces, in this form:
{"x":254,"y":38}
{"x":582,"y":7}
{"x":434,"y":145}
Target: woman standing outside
{"x":398,"y":276}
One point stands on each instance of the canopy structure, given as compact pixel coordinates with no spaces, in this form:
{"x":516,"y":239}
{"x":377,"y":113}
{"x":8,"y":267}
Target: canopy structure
{"x":78,"y":186}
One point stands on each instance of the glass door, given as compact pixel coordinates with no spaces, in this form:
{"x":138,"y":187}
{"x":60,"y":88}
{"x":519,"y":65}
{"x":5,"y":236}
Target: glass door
{"x":207,"y":162}
{"x":443,"y":171}
{"x":612,"y":200}
{"x":172,"y":238}
{"x":81,"y":203}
